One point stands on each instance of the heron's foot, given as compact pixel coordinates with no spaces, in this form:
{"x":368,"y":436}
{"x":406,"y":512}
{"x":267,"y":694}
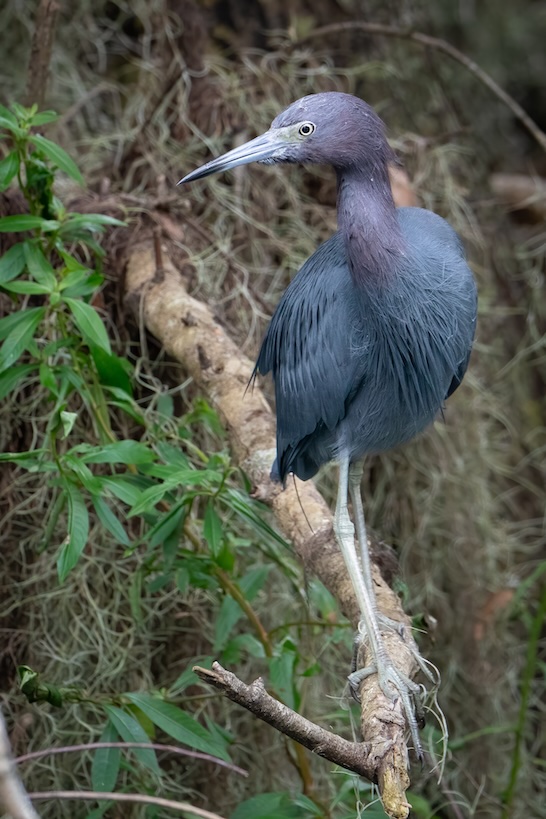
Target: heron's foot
{"x":385,"y":623}
{"x":396,"y":685}
{"x":388,"y":624}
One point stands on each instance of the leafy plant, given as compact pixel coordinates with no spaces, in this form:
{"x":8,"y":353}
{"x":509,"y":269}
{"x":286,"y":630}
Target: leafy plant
{"x":183,"y":513}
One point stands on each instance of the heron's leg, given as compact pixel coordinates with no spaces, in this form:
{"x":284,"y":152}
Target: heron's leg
{"x":355,"y":479}
{"x":345,"y":536}
{"x":389,"y":678}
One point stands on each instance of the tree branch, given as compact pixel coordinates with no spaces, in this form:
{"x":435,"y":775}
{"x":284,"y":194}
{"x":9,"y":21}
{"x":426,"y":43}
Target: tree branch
{"x":40,"y":53}
{"x":444,"y":47}
{"x":189,"y":332}
{"x":354,"y":756}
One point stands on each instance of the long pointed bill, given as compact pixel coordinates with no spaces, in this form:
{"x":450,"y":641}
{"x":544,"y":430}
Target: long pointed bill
{"x":263,"y":147}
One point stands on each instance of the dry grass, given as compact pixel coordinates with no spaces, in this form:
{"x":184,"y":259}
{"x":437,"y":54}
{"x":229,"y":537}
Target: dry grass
{"x":463,"y":504}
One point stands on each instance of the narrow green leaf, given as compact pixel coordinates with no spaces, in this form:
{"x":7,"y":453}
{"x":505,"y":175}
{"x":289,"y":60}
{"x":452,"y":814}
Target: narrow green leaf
{"x":110,"y":521}
{"x":178,"y":724}
{"x":13,"y":320}
{"x":212,"y":528}
{"x":20,"y":221}
{"x":167,"y":525}
{"x":267,"y":806}
{"x":78,"y":530}
{"x":32,"y":288}
{"x":12,"y":262}
{"x":11,"y":378}
{"x":7,"y":117}
{"x":73,"y":278}
{"x":130,"y":730}
{"x":281,"y":675}
{"x":106,"y":762}
{"x":38,"y":266}
{"x":230,"y":613}
{"x":44,"y":118}
{"x":120,"y":452}
{"x":113,"y":371}
{"x":8,"y":168}
{"x":123,"y":487}
{"x":89,"y":323}
{"x":91,"y":222}
{"x":58,"y":156}
{"x":148,"y":499}
{"x":20,"y":335}
{"x":253,"y":581}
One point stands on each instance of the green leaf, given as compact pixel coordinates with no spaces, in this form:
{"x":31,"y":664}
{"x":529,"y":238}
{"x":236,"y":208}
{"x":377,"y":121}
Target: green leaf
{"x":113,"y":371}
{"x":78,"y":530}
{"x":32,"y":288}
{"x":68,"y":419}
{"x":130,"y":730}
{"x":89,"y":323}
{"x":13,"y":320}
{"x":212,"y":528}
{"x":44,"y":118}
{"x":77,"y":224}
{"x":230,"y":612}
{"x":10,"y":378}
{"x":106,"y":762}
{"x":281,"y":675}
{"x":267,"y":806}
{"x":58,"y":156}
{"x":253,"y":581}
{"x":167,"y":524}
{"x":21,"y":221}
{"x":179,"y":725}
{"x":12,"y":262}
{"x":110,"y":521}
{"x":123,"y":487}
{"x":8,"y":168}
{"x":120,"y":452}
{"x":8,"y":120}
{"x":22,"y":331}
{"x":38,"y":266}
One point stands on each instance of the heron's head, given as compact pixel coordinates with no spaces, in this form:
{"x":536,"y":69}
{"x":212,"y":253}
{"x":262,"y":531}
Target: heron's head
{"x":324,"y":129}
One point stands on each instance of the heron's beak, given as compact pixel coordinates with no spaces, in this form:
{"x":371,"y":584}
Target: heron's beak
{"x":263,"y":147}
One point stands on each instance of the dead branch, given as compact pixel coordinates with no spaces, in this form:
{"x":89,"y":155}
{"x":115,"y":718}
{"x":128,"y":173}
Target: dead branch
{"x":13,"y":797}
{"x":189,"y":332}
{"x":445,"y":48}
{"x":40,"y":53}
{"x":355,"y":756}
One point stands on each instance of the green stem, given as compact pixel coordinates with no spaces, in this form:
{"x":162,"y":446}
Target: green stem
{"x":528,"y":676}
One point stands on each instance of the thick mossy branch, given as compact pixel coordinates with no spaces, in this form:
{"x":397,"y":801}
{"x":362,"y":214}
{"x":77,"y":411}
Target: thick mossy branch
{"x":187,"y":329}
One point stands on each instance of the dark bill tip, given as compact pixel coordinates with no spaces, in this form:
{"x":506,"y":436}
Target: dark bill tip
{"x":258,"y":149}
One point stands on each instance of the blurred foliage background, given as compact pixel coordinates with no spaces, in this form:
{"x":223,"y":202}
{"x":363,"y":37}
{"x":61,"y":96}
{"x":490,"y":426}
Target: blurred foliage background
{"x":145,"y":92}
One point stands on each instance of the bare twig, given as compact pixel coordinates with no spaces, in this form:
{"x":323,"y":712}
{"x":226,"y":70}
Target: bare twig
{"x":444,"y":47}
{"x":13,"y":797}
{"x":143,"y":799}
{"x":156,"y":746}
{"x":355,"y":756}
{"x":40,"y":54}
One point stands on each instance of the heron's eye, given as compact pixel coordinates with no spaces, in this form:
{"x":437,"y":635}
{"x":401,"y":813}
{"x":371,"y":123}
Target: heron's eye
{"x":306,"y":128}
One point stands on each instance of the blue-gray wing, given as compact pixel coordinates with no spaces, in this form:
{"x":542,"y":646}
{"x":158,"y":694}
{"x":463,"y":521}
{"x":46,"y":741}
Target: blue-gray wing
{"x":307,"y":348}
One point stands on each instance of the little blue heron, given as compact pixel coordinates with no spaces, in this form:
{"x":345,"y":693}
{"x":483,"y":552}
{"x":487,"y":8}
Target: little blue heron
{"x":373,"y":333}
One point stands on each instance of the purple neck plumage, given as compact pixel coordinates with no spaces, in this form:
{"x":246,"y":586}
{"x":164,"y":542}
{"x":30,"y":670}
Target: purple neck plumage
{"x":367,"y":221}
